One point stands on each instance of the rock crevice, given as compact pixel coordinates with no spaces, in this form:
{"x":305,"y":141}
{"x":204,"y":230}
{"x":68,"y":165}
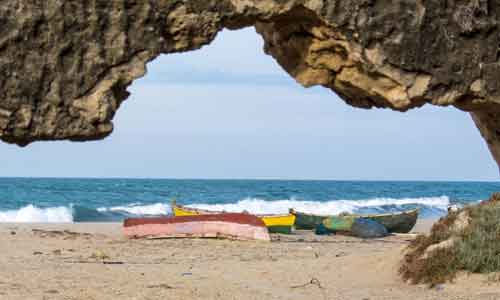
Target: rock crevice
{"x":65,"y":65}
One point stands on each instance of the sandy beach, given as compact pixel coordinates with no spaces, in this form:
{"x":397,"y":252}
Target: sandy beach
{"x":243,"y":119}
{"x":94,"y":261}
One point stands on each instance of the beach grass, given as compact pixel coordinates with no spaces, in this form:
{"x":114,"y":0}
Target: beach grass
{"x":479,"y":249}
{"x":474,"y":248}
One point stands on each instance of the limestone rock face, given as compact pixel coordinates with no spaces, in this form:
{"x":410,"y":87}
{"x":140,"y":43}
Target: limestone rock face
{"x":65,"y":65}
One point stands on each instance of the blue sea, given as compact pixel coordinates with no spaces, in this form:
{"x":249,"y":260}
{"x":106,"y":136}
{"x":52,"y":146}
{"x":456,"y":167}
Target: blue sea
{"x":112,"y":200}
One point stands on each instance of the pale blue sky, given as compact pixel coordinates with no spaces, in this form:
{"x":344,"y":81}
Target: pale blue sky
{"x":229,"y":111}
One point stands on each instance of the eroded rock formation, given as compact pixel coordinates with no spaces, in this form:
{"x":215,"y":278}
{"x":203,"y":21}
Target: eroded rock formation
{"x":65,"y":64}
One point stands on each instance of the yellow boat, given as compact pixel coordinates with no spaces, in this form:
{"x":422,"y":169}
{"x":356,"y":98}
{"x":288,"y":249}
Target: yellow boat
{"x":274,"y":223}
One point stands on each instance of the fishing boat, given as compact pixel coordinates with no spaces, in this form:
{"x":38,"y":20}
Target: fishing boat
{"x":228,"y":225}
{"x":307,"y":221}
{"x":400,"y":222}
{"x":339,"y":223}
{"x":274,"y":223}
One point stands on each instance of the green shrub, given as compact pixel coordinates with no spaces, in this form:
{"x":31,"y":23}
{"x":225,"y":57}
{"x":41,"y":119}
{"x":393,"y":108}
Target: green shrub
{"x":477,"y":248}
{"x":436,"y":268}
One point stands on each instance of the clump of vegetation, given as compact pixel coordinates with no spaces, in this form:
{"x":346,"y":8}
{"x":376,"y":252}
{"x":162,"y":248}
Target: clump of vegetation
{"x":479,"y":249}
{"x":465,"y":240}
{"x":438,"y":266}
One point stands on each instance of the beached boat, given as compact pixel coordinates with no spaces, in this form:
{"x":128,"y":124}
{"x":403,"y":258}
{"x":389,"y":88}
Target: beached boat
{"x":400,"y":222}
{"x":230,"y":225}
{"x":275,"y":223}
{"x":339,"y":223}
{"x":307,"y":221}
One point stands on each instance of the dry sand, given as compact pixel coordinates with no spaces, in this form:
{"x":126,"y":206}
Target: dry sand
{"x":36,"y":263}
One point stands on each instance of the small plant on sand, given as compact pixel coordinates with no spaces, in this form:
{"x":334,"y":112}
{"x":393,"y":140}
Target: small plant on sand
{"x":466,"y":240}
{"x":479,"y":249}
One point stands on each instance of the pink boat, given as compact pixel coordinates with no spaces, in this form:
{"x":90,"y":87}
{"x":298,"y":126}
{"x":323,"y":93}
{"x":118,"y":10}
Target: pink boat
{"x":227,"y":225}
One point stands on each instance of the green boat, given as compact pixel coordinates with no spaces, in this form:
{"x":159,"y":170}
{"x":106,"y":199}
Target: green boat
{"x":340,"y":223}
{"x":401,"y":222}
{"x":307,"y":221}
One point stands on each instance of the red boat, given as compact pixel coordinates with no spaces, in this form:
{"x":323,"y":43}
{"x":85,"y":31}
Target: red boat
{"x":226,"y":225}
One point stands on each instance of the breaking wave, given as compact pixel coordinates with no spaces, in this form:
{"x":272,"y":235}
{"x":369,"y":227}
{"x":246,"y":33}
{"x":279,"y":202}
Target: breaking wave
{"x":33,"y":214}
{"x":259,"y":206}
{"x":136,"y":209}
{"x":430,"y":207}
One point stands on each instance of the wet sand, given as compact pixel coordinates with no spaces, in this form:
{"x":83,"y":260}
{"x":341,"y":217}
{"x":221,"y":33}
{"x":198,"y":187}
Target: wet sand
{"x":94,"y":261}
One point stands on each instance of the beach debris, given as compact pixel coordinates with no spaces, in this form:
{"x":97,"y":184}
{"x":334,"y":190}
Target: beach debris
{"x":66,"y":234}
{"x":367,"y":229}
{"x":57,"y":252}
{"x":186,"y":274}
{"x":12,"y":233}
{"x":106,"y":262}
{"x":47,"y":233}
{"x":37,"y":253}
{"x":160,"y":286}
{"x":100,"y":255}
{"x":313,"y":281}
{"x":340,"y":254}
{"x":52,"y":292}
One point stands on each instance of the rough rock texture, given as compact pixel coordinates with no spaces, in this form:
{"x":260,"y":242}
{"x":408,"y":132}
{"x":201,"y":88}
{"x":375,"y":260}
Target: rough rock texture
{"x":65,"y":64}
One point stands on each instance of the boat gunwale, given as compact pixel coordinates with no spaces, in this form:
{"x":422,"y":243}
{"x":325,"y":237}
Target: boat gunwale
{"x":406,"y":212}
{"x":198,"y":210}
{"x":236,"y":218}
{"x":294,"y":212}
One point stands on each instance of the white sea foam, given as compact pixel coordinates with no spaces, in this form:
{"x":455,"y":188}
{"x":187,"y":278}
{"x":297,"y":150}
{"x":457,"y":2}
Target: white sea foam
{"x":33,"y":214}
{"x":137,"y":209}
{"x":259,"y":206}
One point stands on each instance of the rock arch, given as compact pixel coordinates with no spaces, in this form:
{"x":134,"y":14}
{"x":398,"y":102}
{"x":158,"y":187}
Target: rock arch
{"x":65,"y":65}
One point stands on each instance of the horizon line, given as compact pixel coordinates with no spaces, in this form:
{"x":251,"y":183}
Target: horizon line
{"x":250,"y":179}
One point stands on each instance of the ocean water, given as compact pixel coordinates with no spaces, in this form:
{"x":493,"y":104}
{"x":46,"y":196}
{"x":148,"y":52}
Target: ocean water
{"x":111,"y":200}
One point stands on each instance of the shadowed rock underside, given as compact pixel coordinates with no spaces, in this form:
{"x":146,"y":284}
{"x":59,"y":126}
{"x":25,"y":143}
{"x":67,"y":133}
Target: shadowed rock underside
{"x":65,"y":65}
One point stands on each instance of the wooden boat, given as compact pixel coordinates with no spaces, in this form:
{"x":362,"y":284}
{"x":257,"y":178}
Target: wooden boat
{"x":401,"y":222}
{"x":231,"y":225}
{"x":307,"y":221}
{"x":339,"y":223}
{"x":275,"y":223}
